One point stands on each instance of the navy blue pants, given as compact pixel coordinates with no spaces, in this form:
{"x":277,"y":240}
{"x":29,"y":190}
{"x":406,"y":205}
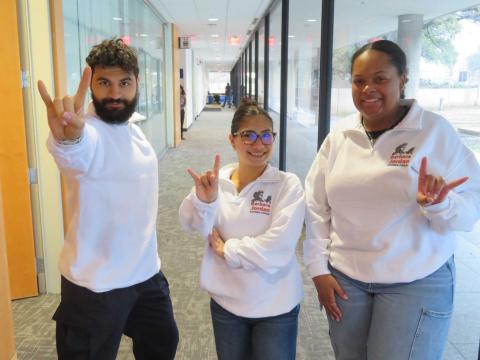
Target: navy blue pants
{"x":90,"y":325}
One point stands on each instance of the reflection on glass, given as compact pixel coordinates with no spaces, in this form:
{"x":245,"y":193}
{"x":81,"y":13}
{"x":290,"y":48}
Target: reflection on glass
{"x":261,"y":64}
{"x":303,"y":84}
{"x":88,"y":22}
{"x":274,"y":73}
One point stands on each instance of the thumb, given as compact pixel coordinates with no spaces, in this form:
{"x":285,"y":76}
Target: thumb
{"x":339,"y":290}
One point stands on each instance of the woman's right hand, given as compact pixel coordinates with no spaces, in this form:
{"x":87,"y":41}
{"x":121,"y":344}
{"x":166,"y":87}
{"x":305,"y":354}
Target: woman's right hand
{"x":327,"y":286}
{"x":206,"y":185}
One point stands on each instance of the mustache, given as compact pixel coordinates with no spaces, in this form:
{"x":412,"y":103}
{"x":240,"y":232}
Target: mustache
{"x":113,"y":101}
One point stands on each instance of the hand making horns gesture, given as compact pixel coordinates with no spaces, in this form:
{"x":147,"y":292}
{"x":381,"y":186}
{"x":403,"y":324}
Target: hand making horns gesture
{"x":65,"y":115}
{"x":433,"y":189}
{"x":206,"y":185}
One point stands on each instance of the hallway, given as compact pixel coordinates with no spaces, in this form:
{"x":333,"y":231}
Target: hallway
{"x":181,"y":255}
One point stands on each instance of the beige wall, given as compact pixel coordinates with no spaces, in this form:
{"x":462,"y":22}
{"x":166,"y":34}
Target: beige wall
{"x":7,"y":344}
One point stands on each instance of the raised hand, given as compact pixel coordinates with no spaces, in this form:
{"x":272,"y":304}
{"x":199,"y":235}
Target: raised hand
{"x":206,"y":185}
{"x":327,"y":286}
{"x":65,"y":115}
{"x":433,"y":189}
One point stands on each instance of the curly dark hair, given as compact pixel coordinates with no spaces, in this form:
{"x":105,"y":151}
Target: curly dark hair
{"x":113,"y":53}
{"x":247,"y":109}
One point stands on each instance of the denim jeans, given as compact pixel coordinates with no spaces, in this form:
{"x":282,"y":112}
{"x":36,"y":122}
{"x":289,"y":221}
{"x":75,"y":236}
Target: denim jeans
{"x":394,"y":321}
{"x":268,"y":338}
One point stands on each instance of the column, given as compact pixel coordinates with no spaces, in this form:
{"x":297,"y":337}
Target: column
{"x":410,"y":40}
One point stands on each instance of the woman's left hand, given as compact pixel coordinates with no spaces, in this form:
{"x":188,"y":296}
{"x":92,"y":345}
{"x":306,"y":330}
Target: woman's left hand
{"x":433,"y":189}
{"x":216,"y":243}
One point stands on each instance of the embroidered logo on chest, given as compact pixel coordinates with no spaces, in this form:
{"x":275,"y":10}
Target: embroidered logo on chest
{"x":401,"y":156}
{"x":260,"y":205}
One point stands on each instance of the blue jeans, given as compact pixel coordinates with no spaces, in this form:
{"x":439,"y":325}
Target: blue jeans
{"x":228,"y":100}
{"x":394,"y":321}
{"x":268,"y":338}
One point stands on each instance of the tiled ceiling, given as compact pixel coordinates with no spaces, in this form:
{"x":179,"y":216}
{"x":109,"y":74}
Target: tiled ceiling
{"x":235,"y":18}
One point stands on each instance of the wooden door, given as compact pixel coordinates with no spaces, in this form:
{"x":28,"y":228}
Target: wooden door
{"x":18,"y":227}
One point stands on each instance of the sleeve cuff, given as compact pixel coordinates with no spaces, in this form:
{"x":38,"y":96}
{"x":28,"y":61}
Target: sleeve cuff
{"x":70,"y":142}
{"x":437,"y":208}
{"x":318,"y":268}
{"x":231,"y":258}
{"x":203,"y":206}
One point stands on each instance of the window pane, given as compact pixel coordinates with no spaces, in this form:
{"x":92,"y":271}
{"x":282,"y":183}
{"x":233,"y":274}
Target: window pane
{"x":303,"y":84}
{"x":261,"y":63}
{"x":274,"y":72}
{"x":88,"y":22}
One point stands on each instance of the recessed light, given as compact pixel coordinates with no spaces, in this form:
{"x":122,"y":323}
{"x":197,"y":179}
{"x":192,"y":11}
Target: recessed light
{"x":291,"y":36}
{"x":117,"y":18}
{"x":213,"y":19}
{"x":311,"y":20}
{"x":214,"y":36}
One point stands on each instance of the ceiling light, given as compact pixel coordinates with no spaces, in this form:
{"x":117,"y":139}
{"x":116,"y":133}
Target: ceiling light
{"x":213,"y":19}
{"x":234,"y":40}
{"x":291,"y":36}
{"x":143,"y":35}
{"x":117,"y":18}
{"x":214,"y":36}
{"x":311,"y":20}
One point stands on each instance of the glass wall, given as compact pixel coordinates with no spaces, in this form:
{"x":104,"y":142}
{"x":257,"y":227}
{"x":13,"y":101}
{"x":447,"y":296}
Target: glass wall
{"x":261,"y":63}
{"x":443,"y":52}
{"x":248,"y":64}
{"x":274,"y":44}
{"x":303,"y":84}
{"x":252,"y":73}
{"x":274,"y":73}
{"x":88,"y":22}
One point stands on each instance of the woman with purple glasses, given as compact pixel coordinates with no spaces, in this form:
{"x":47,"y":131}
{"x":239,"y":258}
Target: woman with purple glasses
{"x":251,"y":214}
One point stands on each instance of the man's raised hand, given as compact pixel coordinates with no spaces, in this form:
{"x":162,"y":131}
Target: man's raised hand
{"x":206,"y":185}
{"x":65,"y":115}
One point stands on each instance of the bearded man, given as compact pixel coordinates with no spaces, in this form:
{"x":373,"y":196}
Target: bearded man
{"x":111,"y":278}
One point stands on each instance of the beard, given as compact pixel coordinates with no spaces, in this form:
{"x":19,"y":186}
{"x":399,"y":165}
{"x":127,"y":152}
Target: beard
{"x":115,"y":116}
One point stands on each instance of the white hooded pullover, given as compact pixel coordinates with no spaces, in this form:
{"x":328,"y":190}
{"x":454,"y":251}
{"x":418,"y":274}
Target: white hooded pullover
{"x":261,"y":225}
{"x":111,"y":188}
{"x":362,"y":215}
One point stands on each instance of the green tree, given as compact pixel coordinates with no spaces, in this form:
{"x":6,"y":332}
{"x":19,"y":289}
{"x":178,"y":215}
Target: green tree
{"x":437,"y":40}
{"x":341,"y":62}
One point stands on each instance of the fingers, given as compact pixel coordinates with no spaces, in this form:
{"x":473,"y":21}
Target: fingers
{"x":216,"y":165}
{"x":456,"y":183}
{"x":206,"y":179}
{"x":331,"y":306}
{"x":435,"y":189}
{"x":42,"y":89}
{"x":79,"y":98}
{"x":195,"y":176}
{"x":68,"y":105}
{"x":422,"y":172}
{"x":58,"y":106}
{"x":446,"y":189}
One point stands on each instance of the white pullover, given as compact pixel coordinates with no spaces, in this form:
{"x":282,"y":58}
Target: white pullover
{"x":111,"y":188}
{"x":362,"y":216}
{"x":261,"y":225}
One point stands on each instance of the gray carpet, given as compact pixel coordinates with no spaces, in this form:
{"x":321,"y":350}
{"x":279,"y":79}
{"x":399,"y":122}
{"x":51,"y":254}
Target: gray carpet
{"x":181,"y":254}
